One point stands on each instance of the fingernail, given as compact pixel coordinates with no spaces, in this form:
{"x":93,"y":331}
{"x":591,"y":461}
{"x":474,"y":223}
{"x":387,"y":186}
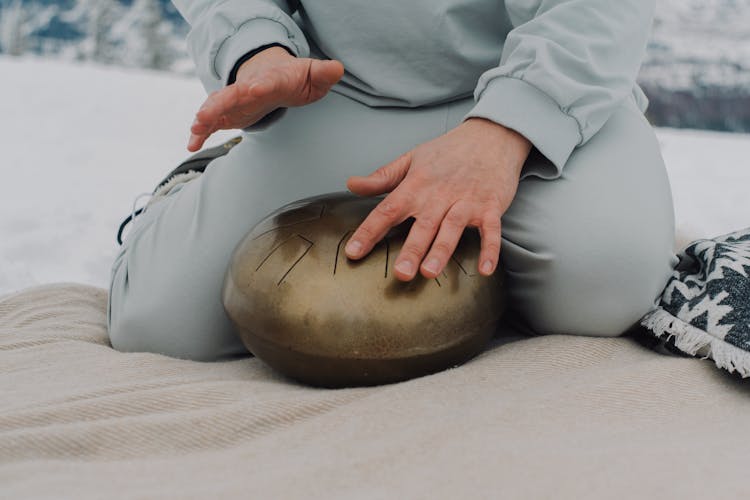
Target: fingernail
{"x":487,"y":267}
{"x":404,"y":267}
{"x":432,"y":265}
{"x":353,"y":247}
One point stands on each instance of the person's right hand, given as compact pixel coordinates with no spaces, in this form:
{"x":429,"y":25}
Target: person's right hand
{"x":270,"y":79}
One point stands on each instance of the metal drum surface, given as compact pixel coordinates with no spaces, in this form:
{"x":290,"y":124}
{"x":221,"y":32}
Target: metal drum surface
{"x":300,"y":305}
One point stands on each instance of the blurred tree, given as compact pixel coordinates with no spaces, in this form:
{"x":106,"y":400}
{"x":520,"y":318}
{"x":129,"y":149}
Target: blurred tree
{"x":151,"y":45}
{"x":14,"y":29}
{"x":98,"y":45}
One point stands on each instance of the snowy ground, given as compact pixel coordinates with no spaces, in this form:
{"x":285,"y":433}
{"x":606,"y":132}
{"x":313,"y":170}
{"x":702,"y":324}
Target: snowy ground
{"x":79,"y":143}
{"x":696,"y":44}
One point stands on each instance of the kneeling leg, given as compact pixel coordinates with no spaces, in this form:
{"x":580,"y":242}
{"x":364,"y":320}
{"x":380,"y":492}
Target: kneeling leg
{"x":587,"y":253}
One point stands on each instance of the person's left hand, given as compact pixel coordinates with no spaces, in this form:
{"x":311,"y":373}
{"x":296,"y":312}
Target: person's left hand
{"x":466,"y":177}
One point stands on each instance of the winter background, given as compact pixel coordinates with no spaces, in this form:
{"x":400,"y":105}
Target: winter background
{"x":98,"y":95}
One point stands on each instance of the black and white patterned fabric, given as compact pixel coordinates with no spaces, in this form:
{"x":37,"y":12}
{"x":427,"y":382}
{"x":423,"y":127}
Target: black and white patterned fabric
{"x":705,"y":307}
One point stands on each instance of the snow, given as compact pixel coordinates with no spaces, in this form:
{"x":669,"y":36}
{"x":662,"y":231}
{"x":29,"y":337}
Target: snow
{"x":710,"y":175}
{"x":80,"y":142}
{"x":698,"y":44}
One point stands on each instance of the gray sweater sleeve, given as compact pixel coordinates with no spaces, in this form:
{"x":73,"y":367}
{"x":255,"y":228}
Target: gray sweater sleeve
{"x":564,"y":68}
{"x":222,"y":31}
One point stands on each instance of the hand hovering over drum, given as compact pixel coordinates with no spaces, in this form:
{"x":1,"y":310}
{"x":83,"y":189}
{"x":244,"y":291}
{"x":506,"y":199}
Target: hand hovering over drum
{"x":465,"y":177}
{"x":271,"y":79}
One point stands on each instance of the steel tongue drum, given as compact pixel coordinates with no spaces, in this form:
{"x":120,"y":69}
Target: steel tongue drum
{"x":300,"y":305}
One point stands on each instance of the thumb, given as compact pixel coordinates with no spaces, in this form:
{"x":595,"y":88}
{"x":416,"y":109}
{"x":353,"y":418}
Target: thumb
{"x":326,"y":72}
{"x":382,"y":180}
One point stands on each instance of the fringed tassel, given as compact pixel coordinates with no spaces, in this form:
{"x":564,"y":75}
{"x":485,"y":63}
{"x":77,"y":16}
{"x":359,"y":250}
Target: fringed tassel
{"x":691,"y":340}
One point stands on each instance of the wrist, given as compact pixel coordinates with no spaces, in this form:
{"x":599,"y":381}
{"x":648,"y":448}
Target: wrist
{"x":500,"y":131}
{"x":516,"y":147}
{"x":274,"y":50}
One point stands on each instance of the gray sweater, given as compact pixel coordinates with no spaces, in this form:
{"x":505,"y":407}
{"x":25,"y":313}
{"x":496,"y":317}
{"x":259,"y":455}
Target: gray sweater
{"x":553,"y":70}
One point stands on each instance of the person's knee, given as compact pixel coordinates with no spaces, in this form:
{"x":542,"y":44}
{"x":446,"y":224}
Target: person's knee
{"x":171,"y":323}
{"x":599,"y":290}
{"x":172,"y":333}
{"x":607,"y":314}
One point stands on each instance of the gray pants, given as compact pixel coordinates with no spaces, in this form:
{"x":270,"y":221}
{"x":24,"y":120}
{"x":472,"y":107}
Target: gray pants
{"x":586,"y":253}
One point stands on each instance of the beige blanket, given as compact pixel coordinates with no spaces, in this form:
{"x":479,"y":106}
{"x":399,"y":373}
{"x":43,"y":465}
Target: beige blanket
{"x":540,"y":417}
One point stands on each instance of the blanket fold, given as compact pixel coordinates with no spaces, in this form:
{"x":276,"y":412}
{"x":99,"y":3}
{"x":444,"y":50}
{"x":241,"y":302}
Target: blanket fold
{"x":704,"y":309}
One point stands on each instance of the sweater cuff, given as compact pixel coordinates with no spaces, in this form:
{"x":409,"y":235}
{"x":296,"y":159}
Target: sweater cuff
{"x":251,"y":35}
{"x":520,"y":106}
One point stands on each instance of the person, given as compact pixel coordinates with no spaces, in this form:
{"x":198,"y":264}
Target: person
{"x":521,"y":118}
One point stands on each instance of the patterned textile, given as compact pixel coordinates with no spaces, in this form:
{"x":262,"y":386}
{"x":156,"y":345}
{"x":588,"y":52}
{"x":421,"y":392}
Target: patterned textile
{"x":705,"y":307}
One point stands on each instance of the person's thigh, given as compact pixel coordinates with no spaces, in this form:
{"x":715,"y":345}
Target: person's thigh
{"x":588,"y":253}
{"x":165,"y":290}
